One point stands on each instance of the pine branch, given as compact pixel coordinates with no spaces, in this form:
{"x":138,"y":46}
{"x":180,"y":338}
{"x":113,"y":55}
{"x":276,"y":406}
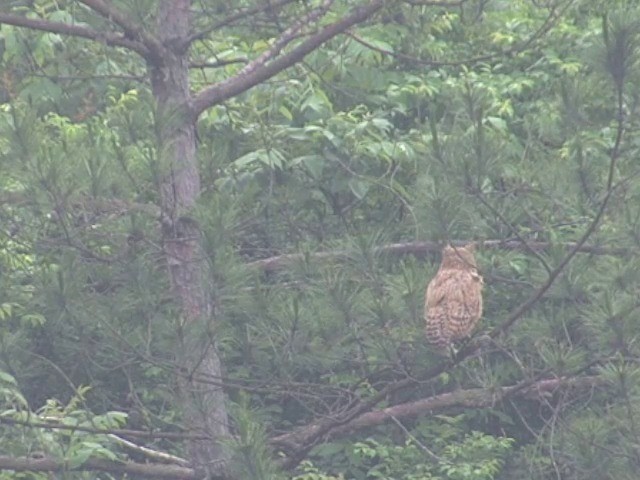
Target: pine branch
{"x":106,"y":431}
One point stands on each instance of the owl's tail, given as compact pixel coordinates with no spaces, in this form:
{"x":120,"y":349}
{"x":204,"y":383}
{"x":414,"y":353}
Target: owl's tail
{"x":437,"y":334}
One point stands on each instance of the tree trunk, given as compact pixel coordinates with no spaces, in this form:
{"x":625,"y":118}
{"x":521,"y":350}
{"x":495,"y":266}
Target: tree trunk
{"x":203,"y":405}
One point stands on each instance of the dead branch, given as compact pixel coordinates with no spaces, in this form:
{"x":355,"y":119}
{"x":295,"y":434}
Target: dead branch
{"x":471,"y":398}
{"x":296,"y":439}
{"x":106,"y":431}
{"x":158,"y":456}
{"x":48,"y":464}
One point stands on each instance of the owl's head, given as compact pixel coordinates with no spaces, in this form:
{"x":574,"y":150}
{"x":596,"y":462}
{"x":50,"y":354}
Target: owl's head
{"x":459,"y":257}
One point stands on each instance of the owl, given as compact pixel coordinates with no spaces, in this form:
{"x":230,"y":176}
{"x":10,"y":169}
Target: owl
{"x":453,"y":301}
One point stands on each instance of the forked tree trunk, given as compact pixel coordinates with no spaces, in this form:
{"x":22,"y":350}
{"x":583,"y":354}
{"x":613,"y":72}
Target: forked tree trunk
{"x":203,"y":405}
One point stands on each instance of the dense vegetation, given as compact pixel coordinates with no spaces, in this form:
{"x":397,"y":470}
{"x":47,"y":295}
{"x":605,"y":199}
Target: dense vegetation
{"x":215,"y":236}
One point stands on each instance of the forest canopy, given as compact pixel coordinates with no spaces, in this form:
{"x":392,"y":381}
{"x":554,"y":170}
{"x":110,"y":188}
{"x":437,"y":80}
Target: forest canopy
{"x":218,"y":220}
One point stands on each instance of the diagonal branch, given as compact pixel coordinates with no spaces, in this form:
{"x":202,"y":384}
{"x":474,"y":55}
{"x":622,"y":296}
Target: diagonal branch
{"x":290,"y":34}
{"x":131,"y":29}
{"x":593,"y":226}
{"x":149,"y":453}
{"x":110,"y":39}
{"x":555,"y":13}
{"x":271,"y":6}
{"x":470,"y":398}
{"x":257,"y":71}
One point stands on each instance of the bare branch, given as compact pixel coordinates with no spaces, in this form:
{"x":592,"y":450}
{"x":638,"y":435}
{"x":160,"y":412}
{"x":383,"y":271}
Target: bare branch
{"x":105,"y":431}
{"x":156,"y":455}
{"x":431,"y":3}
{"x":63,"y":78}
{"x":102,"y":205}
{"x":256,"y":72}
{"x":471,"y":398}
{"x":217,"y":64}
{"x":423,"y":248}
{"x":109,"y":39}
{"x":48,"y":464}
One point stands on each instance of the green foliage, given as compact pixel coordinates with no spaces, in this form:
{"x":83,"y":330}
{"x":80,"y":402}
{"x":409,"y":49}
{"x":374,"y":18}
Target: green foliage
{"x":71,"y":446}
{"x":389,"y":134}
{"x":252,"y":458}
{"x":472,"y":456}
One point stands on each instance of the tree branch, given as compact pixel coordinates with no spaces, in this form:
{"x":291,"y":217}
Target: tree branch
{"x":423,"y":248}
{"x":118,"y":207}
{"x":109,"y":39}
{"x":48,"y":464}
{"x":430,"y":3}
{"x":285,"y":38}
{"x":256,"y":72}
{"x":471,"y":398}
{"x":131,"y":29}
{"x":308,"y":436}
{"x":271,"y":6}
{"x":554,"y":14}
{"x":595,"y":223}
{"x":154,"y":455}
{"x":217,"y":64}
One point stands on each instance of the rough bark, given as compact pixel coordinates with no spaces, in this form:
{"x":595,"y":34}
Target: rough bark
{"x":203,"y":405}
